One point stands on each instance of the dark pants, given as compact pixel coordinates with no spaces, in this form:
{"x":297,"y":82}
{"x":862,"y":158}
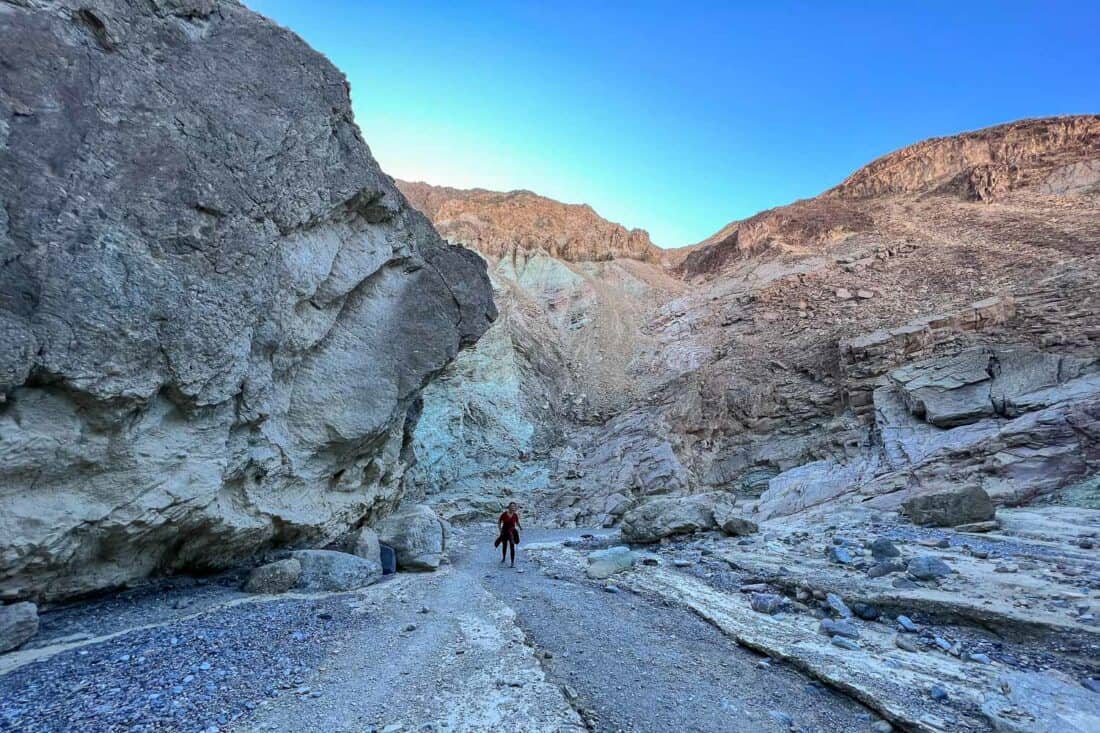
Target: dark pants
{"x":507,"y":541}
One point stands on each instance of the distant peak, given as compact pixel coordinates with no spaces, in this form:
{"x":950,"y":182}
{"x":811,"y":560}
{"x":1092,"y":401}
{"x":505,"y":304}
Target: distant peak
{"x":501,"y":223}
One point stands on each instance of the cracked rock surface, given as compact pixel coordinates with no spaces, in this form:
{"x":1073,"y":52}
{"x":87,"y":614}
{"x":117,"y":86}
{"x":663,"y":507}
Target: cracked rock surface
{"x":217,"y":313}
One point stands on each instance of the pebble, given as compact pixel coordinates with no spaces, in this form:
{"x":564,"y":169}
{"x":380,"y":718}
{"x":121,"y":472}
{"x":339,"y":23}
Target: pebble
{"x":882,"y":727}
{"x":884,"y":568}
{"x":781,"y":717}
{"x":928,"y":567}
{"x":611,"y":589}
{"x":410,"y":627}
{"x":845,"y":643}
{"x":884,"y":549}
{"x":906,"y":624}
{"x":840,"y":555}
{"x":979,"y":658}
{"x":837,"y":606}
{"x":865,"y":611}
{"x":839,"y":628}
{"x":906,"y":643}
{"x":938,"y":693}
{"x":1091,"y":683}
{"x":767,"y":603}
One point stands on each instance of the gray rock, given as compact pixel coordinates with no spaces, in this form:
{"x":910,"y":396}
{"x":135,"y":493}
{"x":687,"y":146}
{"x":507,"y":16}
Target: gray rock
{"x":214,"y":301}
{"x":938,"y":693}
{"x":845,"y":643}
{"x":907,"y":643}
{"x":417,"y":535}
{"x":839,"y":555}
{"x":839,"y":628}
{"x":979,"y":527}
{"x":906,"y":624}
{"x":1034,"y":702}
{"x":605,"y":563}
{"x":767,"y":603}
{"x":884,"y":549}
{"x":668,"y":516}
{"x":979,"y":658}
{"x":325,"y":570}
{"x":18,"y":623}
{"x":885,"y":567}
{"x":882,"y":726}
{"x":927,"y":567}
{"x":732,"y":521}
{"x":865,"y":611}
{"x":366,"y":545}
{"x":275,"y":577}
{"x":950,"y":507}
{"x":836,"y":606}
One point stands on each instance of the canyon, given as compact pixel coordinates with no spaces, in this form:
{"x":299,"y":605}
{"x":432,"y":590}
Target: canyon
{"x":835,"y":467}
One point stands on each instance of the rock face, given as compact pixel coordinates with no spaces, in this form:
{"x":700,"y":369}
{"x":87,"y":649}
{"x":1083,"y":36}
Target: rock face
{"x":928,"y":324}
{"x":417,"y":536}
{"x":217,"y":313}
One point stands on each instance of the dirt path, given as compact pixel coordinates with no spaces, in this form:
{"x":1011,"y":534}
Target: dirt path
{"x":475,"y":647}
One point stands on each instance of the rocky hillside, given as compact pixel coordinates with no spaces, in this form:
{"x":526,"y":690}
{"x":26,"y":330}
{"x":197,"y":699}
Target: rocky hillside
{"x":767,"y":361}
{"x":574,"y":291}
{"x":216,"y":312}
{"x":520,"y":222}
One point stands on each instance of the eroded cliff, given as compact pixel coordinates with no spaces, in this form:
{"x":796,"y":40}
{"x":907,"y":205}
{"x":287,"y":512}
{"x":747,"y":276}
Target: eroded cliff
{"x":217,"y":312}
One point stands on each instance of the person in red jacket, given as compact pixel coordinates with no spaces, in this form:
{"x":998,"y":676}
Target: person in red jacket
{"x":509,"y":532}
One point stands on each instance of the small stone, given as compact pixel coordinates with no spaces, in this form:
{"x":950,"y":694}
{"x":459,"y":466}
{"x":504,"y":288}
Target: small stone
{"x":843,"y":294}
{"x":837,"y":606}
{"x":425,"y":609}
{"x":906,"y":624}
{"x":1006,"y":568}
{"x":839,"y":628}
{"x":1091,"y":683}
{"x":845,"y":643}
{"x":864,"y":294}
{"x":885,"y":567}
{"x":651,"y":561}
{"x":840,"y":555}
{"x":1085,"y":544}
{"x":980,"y":658}
{"x":938,"y":694}
{"x":884,"y":549}
{"x":781,"y":717}
{"x":904,"y":584}
{"x":882,"y":726}
{"x":942,"y":643}
{"x":409,"y":627}
{"x":611,"y":589}
{"x":928,"y":567}
{"x":767,"y":603}
{"x":865,"y":611}
{"x":906,"y":643}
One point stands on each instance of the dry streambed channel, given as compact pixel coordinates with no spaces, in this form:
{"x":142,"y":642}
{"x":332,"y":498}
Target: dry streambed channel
{"x":705,"y":633}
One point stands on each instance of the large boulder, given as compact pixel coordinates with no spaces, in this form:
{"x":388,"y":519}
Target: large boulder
{"x":274,"y":577}
{"x":417,"y":535}
{"x":605,"y":563}
{"x":367,"y":546}
{"x":950,"y":507}
{"x":326,"y":570}
{"x":672,"y":515}
{"x":18,"y":623}
{"x":216,"y":312}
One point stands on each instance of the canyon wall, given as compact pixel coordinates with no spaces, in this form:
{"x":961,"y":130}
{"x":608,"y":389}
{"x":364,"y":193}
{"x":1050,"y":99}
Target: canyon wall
{"x":765,"y":363}
{"x":217,"y":313}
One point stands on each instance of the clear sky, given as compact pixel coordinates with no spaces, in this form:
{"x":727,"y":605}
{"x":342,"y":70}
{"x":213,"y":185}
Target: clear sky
{"x":681,"y":116}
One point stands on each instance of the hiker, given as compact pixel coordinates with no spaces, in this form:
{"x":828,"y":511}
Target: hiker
{"x":509,"y":532}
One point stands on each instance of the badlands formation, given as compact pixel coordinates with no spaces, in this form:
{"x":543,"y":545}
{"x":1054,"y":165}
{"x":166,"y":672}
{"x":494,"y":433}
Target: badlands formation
{"x":836,"y":467}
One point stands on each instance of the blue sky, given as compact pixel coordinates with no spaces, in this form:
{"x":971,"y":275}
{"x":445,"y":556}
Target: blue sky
{"x":679,"y":117}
